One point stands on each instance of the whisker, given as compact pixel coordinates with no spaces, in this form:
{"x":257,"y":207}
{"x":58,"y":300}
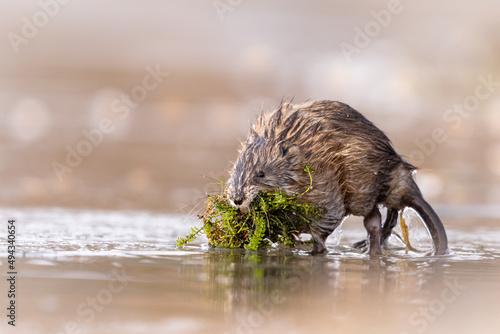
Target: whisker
{"x":193,"y":212}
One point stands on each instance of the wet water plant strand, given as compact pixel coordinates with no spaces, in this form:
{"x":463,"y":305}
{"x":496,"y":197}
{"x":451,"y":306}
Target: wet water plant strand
{"x":273,"y":218}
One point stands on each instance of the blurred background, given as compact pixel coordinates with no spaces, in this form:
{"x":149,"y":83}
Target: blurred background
{"x":140,"y":104}
{"x":138,"y":107}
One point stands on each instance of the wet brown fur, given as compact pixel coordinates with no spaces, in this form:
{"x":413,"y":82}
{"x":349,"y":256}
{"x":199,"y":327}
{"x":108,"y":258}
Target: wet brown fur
{"x":355,"y":166}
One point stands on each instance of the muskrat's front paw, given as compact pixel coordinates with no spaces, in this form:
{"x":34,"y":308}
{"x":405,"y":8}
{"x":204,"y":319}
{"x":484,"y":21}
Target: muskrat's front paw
{"x":318,"y":252}
{"x":360,"y":244}
{"x":318,"y":249}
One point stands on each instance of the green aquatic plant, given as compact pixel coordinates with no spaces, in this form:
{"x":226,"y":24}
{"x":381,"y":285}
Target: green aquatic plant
{"x":273,"y":217}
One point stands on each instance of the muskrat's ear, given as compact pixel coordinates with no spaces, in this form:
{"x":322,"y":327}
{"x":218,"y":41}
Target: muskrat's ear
{"x":287,"y":149}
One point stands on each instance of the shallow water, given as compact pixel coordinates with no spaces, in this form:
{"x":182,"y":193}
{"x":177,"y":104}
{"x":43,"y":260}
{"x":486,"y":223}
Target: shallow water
{"x":120,"y":272}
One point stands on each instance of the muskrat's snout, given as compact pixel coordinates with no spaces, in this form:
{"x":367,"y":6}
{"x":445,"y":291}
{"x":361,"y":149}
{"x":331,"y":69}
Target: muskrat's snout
{"x":237,"y":199}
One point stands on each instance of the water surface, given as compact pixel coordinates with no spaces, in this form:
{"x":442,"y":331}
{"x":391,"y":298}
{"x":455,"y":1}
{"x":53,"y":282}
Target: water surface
{"x":120,"y":272}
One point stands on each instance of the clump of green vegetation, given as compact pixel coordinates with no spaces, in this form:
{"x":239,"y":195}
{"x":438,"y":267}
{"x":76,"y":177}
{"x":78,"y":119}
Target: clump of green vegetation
{"x":273,"y":217}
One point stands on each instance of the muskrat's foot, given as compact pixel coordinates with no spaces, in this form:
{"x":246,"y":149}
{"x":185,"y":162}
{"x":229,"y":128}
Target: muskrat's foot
{"x":318,"y":249}
{"x":376,"y":250}
{"x":364,"y":243}
{"x":319,"y":240}
{"x":314,"y":253}
{"x":360,"y":244}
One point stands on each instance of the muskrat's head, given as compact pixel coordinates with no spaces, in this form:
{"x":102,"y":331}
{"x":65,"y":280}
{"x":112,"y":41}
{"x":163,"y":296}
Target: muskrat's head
{"x":265,"y":164}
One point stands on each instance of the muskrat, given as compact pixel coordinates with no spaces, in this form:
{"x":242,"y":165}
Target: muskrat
{"x":356,"y":169}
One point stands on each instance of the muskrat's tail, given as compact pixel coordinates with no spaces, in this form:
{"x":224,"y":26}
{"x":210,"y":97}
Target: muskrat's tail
{"x":432,"y":221}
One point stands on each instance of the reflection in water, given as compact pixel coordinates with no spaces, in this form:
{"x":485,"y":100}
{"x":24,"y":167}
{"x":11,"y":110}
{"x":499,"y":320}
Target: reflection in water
{"x":242,"y":281}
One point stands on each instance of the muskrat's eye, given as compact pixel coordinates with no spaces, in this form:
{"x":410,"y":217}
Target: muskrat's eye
{"x":261,"y":174}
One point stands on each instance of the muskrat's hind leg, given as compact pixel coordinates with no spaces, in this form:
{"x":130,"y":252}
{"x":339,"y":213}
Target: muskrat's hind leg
{"x":373,"y":226}
{"x":389,"y":223}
